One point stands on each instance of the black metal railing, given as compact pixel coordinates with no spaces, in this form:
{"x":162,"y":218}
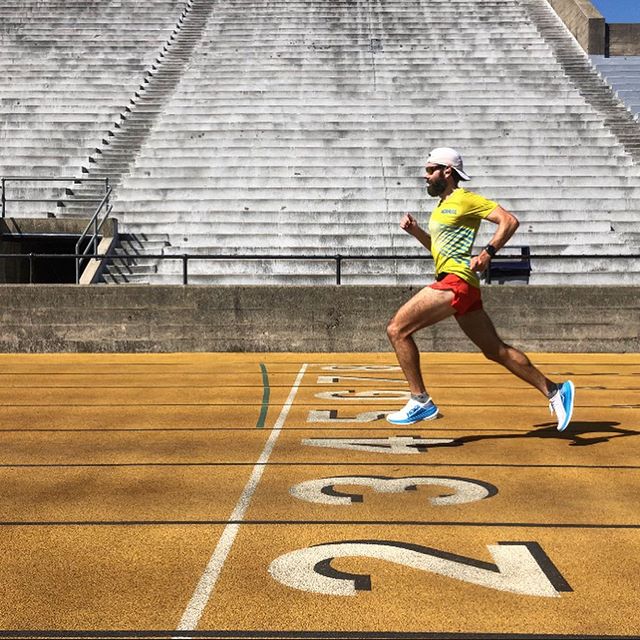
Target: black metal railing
{"x":338,"y":259}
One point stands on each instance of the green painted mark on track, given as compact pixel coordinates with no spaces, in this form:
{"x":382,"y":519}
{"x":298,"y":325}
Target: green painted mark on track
{"x":266,"y":393}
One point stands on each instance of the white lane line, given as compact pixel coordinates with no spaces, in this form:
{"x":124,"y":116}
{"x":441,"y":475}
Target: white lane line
{"x":201,"y":595}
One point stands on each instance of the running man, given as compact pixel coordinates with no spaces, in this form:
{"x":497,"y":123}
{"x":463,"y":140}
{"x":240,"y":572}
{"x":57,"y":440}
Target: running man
{"x":453,"y":227}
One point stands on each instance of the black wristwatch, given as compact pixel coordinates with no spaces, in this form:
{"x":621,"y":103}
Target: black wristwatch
{"x":491,"y":250}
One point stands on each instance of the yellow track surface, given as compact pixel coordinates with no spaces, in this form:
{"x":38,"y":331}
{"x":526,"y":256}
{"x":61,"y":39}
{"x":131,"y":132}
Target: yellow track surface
{"x":265,"y":495}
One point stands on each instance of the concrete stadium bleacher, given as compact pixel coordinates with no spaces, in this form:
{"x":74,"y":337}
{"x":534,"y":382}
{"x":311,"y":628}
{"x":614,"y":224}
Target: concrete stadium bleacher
{"x":302,"y":128}
{"x":622,"y":73}
{"x":68,"y":70}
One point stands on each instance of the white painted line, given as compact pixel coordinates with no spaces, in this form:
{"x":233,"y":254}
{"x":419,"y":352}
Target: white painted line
{"x":201,"y":595}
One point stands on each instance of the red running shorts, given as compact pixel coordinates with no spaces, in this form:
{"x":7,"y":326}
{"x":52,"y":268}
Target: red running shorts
{"x":466,"y":297}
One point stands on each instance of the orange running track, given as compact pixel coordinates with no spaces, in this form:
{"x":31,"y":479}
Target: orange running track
{"x":265,"y":496}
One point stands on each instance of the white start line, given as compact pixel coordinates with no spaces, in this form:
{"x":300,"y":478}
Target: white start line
{"x":202,"y":593}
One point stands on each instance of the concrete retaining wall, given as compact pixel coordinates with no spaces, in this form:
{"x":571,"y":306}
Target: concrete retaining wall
{"x":57,"y":318}
{"x":584,"y":21}
{"x":624,"y":39}
{"x":596,"y":36}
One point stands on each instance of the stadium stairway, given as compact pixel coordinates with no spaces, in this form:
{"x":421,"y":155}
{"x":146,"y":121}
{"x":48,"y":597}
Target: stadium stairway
{"x":118,"y":150}
{"x":302,"y":128}
{"x":69,"y":69}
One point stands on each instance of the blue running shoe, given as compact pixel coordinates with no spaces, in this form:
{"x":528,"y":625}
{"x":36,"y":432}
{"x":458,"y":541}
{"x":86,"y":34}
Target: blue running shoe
{"x":414,"y":411}
{"x":562,"y":404}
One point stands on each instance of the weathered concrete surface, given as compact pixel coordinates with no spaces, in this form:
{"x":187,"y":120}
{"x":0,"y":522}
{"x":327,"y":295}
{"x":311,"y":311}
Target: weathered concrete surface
{"x":17,"y":226}
{"x":68,"y":318}
{"x":584,"y":21}
{"x":589,"y":28}
{"x":624,"y":39}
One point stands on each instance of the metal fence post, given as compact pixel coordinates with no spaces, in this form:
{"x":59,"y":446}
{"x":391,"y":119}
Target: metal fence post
{"x":338,"y":269}
{"x":4,"y":197}
{"x":185,"y":273}
{"x":31,"y":268}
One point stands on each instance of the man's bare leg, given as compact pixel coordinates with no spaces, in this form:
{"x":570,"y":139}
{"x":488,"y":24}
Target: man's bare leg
{"x":426,"y":308}
{"x":480,"y":330}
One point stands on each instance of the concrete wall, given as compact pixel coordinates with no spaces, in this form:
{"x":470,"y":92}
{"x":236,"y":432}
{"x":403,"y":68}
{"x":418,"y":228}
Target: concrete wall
{"x":595,"y":36}
{"x":624,"y":39}
{"x":584,"y":21}
{"x":53,"y":318}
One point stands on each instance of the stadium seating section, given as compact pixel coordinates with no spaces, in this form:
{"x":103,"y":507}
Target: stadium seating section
{"x":290,"y":127}
{"x":622,"y":73}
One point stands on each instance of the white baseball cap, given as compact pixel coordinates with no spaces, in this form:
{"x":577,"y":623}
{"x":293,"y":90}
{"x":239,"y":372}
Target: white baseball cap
{"x":450,"y":158}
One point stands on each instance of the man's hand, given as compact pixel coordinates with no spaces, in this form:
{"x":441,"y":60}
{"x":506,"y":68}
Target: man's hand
{"x":409,"y":224}
{"x":480,"y":262}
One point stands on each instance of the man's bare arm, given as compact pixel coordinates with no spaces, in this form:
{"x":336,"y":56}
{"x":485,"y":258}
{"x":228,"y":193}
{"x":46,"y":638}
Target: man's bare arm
{"x":411,"y":226}
{"x":507,"y":225}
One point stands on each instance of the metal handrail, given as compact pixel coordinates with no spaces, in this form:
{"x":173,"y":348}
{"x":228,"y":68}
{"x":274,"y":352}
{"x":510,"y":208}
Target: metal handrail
{"x":338,"y":258}
{"x":93,"y":241}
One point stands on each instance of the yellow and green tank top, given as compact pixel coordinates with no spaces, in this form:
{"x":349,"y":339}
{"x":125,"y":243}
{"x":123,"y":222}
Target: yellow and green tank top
{"x":453,"y":227}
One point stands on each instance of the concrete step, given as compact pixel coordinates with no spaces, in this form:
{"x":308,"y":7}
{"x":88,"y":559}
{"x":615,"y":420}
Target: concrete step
{"x":217,"y":220}
{"x":371,"y":106}
{"x":489,"y":159}
{"x":381,"y":255}
{"x":253,"y":229}
{"x":357,"y":146}
{"x":285,"y":180}
{"x":269,"y":125}
{"x":374,"y":191}
{"x":338,"y":97}
{"x":354,"y":207}
{"x":211,"y":242}
{"x":150,"y":175}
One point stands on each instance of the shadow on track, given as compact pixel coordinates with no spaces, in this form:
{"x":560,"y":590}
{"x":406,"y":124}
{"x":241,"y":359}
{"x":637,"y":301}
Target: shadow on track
{"x":575,"y":434}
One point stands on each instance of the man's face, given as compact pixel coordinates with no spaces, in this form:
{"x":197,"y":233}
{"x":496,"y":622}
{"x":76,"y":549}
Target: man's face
{"x":436,"y":182}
